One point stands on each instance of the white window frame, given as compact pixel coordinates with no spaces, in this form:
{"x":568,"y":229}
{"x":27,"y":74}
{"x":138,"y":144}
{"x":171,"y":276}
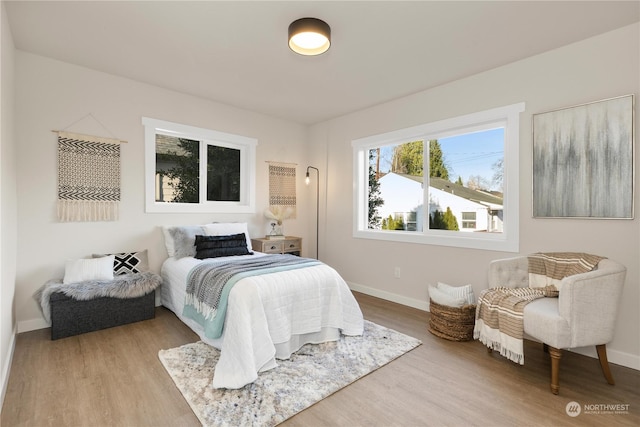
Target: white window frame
{"x":507,"y":241}
{"x":246,"y":145}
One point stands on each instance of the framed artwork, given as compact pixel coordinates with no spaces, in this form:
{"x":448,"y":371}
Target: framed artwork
{"x":583,"y":161}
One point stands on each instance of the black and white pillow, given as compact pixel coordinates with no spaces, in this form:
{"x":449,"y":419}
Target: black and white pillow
{"x":219,"y":246}
{"x":129,"y":262}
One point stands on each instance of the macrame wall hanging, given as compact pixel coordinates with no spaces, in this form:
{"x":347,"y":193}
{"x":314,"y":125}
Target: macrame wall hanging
{"x":88,"y":177}
{"x":282,"y":190}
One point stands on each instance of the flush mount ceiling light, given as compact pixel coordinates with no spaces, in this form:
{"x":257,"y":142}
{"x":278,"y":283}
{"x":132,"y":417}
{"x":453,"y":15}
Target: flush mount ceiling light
{"x":309,"y":36}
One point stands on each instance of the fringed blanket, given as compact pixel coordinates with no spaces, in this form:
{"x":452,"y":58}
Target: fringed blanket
{"x":548,"y":269}
{"x":209,"y":284}
{"x":500,"y":321}
{"x":500,"y":311}
{"x":132,"y":285}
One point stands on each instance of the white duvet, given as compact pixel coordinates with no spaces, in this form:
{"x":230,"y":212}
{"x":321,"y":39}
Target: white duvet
{"x":269,"y":316}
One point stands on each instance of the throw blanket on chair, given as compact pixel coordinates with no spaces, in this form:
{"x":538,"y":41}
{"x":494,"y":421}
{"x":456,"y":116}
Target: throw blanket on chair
{"x":500,"y":321}
{"x":209,"y":284}
{"x":500,"y":311}
{"x":548,"y":269}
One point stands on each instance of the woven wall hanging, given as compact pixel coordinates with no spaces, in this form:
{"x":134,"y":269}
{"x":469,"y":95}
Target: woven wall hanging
{"x":282,"y":189}
{"x":88,"y":177}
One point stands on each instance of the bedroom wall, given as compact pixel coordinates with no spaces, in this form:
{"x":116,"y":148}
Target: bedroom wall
{"x":7,"y":203}
{"x":51,"y":95}
{"x":594,"y":69}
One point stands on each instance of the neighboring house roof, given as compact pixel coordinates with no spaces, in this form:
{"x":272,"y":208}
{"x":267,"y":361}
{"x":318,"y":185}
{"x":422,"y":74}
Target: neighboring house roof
{"x":166,"y":144}
{"x":459,"y":190}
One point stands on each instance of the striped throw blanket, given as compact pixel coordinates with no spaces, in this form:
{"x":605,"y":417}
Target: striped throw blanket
{"x":209,"y":284}
{"x":500,"y":319}
{"x":500,"y":311}
{"x":548,"y":269}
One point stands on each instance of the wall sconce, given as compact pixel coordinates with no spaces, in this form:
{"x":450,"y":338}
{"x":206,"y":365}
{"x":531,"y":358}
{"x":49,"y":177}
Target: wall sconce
{"x":309,"y":36}
{"x":306,"y":180}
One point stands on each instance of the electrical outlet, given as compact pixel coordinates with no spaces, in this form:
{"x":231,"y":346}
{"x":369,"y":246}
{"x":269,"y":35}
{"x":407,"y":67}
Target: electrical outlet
{"x":396,"y":272}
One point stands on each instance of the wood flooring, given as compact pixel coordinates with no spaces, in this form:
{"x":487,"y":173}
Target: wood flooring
{"x":113,"y":377}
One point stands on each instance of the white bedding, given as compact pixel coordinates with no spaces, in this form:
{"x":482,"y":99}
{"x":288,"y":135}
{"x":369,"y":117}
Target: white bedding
{"x":269,"y":316}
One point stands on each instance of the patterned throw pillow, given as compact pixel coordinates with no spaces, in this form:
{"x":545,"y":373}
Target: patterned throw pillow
{"x":129,"y":262}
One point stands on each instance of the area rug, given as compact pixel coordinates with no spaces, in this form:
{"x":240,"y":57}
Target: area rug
{"x":311,"y":374}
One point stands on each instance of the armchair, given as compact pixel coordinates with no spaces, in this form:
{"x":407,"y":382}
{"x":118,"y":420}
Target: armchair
{"x":583,"y":315}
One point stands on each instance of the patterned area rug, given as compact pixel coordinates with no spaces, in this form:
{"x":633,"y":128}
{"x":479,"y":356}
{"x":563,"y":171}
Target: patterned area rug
{"x":311,"y":374}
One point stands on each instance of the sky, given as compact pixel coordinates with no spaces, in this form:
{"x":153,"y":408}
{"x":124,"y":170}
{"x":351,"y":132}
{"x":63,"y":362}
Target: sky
{"x":473,"y":154}
{"x":469,"y":154}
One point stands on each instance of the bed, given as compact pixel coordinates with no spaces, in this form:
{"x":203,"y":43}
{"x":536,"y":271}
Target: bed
{"x":269,"y":316}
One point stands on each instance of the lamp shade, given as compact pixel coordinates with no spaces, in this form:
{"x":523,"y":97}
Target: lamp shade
{"x":309,"y":36}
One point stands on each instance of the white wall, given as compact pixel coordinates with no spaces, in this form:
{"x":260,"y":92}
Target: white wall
{"x":598,"y":68}
{"x":7,"y":203}
{"x":53,"y":95}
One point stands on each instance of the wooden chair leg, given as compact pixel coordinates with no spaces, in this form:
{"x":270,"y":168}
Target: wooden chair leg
{"x":555,"y":354}
{"x":604,"y":363}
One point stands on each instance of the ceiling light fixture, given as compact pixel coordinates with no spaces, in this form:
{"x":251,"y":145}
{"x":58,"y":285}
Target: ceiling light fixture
{"x":309,"y":36}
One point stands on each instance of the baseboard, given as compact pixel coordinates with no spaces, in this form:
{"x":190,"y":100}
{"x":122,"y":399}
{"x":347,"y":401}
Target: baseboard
{"x":389,"y":296}
{"x":617,"y":357}
{"x":32,"y":325}
{"x":614,"y":356}
{"x":6,"y":369}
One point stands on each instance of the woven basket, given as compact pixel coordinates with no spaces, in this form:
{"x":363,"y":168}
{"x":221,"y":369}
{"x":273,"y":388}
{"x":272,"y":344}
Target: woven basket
{"x":452,"y":323}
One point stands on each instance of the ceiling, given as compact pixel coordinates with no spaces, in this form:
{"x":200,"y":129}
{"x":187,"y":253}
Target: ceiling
{"x":236,"y":52}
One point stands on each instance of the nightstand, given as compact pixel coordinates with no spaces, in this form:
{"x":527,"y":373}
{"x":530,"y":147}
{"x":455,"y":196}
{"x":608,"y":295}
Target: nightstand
{"x":289,"y":245}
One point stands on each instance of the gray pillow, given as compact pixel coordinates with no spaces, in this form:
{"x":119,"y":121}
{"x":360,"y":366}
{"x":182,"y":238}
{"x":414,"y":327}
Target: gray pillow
{"x":180,"y":241}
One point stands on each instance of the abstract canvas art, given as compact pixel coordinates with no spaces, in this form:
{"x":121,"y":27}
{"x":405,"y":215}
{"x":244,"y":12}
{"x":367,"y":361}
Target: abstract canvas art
{"x":583,"y":161}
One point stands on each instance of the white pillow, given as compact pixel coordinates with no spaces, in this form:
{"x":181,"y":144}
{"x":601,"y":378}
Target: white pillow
{"x":79,"y":270}
{"x":440,"y":297}
{"x":465,"y":292}
{"x":226,"y":229}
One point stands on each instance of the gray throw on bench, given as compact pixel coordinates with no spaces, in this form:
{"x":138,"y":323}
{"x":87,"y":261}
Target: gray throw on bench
{"x":92,"y":305}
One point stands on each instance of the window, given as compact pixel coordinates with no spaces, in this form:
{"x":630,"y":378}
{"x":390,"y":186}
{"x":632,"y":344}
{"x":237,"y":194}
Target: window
{"x":189,"y":169}
{"x":452,"y":182}
{"x":469,"y":220}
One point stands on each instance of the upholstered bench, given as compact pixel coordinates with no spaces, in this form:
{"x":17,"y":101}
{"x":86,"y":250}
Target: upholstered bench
{"x":70,"y":316}
{"x":89,"y":305}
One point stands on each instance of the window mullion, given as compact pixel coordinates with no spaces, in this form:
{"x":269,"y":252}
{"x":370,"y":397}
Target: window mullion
{"x":203,"y":171}
{"x":425,"y":185}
